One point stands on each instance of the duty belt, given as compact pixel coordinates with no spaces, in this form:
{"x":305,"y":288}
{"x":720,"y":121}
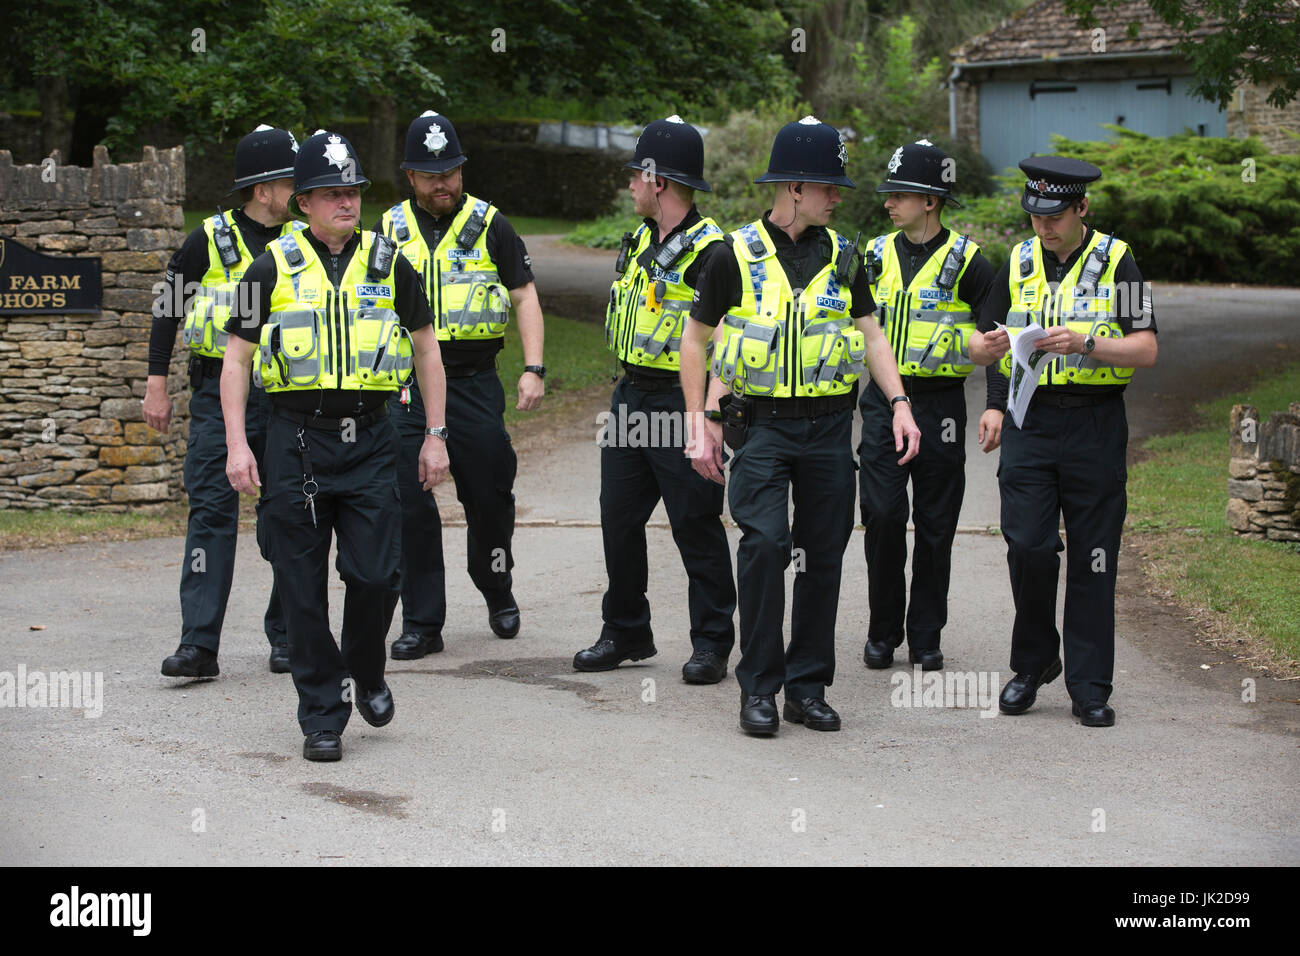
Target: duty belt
{"x":209,"y":365}
{"x":800,"y":407}
{"x":925,"y":384}
{"x":333,"y":424}
{"x":1047,"y":396}
{"x":650,"y":383}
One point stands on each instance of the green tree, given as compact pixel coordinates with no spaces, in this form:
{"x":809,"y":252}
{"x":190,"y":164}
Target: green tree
{"x":1253,"y":40}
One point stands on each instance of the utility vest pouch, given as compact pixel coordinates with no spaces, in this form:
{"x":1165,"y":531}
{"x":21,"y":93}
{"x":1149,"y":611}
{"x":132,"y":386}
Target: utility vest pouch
{"x":384,"y":350}
{"x":290,"y":351}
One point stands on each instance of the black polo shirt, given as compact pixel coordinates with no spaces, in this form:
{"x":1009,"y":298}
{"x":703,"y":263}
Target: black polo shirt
{"x":255,"y":288}
{"x":189,"y":264}
{"x":973,"y":288}
{"x":1134,"y":306}
{"x":510,"y":256}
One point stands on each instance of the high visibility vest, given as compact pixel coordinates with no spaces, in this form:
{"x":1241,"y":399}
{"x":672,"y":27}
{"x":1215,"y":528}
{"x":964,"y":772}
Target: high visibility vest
{"x":782,"y":342}
{"x":204,"y":329}
{"x":319,"y":335}
{"x":469,"y":302}
{"x":647,"y":309}
{"x":928,"y":327}
{"x":1084,"y":302}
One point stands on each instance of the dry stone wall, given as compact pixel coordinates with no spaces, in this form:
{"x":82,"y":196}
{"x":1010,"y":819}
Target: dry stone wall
{"x":1264,"y":474}
{"x":72,"y":433}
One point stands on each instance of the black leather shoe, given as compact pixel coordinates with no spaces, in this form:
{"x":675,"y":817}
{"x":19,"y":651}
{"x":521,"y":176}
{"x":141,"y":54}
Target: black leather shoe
{"x":930,"y":660}
{"x":878,"y":655}
{"x":813,"y":712}
{"x":190,"y":660}
{"x":376,"y":707}
{"x":504,"y":619}
{"x":605,"y":655}
{"x":1094,"y":715}
{"x":1022,"y":690}
{"x":758,"y":715}
{"x":411,"y":646}
{"x":323,"y":745}
{"x":279,"y":662}
{"x":704,"y":667}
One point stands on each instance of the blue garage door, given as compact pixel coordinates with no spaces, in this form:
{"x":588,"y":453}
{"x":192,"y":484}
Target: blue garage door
{"x":1014,"y":123}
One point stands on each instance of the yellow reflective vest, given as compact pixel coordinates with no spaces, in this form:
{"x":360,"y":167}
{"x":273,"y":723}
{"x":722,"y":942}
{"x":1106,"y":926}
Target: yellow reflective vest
{"x":319,"y":335}
{"x":1085,"y":302}
{"x":928,"y":327}
{"x":647,"y":309}
{"x":786,"y":343}
{"x":206,"y":314}
{"x":465,"y":292}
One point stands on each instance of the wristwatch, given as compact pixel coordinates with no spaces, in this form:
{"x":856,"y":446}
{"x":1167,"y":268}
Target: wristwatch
{"x":439,"y":432}
{"x":538,"y":370}
{"x":1089,"y":343}
{"x":899,"y":398}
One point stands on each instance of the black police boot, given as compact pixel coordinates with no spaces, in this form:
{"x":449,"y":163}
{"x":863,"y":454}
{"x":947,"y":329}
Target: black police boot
{"x":605,"y":654}
{"x":813,"y":712}
{"x":1022,"y":690}
{"x":503,"y":618}
{"x":279,"y":662}
{"x":411,"y":646}
{"x":323,"y":745}
{"x":704,"y":667}
{"x":930,"y":659}
{"x":1093,"y":714}
{"x":376,"y":707}
{"x":878,"y":655}
{"x":758,"y":715}
{"x":190,"y":660}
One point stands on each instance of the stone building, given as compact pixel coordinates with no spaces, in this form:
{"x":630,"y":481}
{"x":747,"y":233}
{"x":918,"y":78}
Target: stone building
{"x":1038,"y":73}
{"x":71,"y":427}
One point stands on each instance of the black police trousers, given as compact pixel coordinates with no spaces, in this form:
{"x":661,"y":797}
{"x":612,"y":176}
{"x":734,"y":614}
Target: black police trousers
{"x":642,"y":459}
{"x":938,"y":476}
{"x":813,"y":458}
{"x":1065,"y":462}
{"x":356,"y":500}
{"x":483,"y":465}
{"x":208,"y":566}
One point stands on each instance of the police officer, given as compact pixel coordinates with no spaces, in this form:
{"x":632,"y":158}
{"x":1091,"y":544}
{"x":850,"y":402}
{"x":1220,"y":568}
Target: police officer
{"x":796,"y":333}
{"x":1067,"y":459}
{"x":928,"y":285}
{"x":198,"y":290}
{"x":334,"y":315}
{"x":474,"y":268}
{"x":658,"y":269}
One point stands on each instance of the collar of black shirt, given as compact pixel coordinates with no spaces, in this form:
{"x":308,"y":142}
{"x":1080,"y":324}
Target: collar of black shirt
{"x":781,"y":239}
{"x":926,"y":248}
{"x":1049,"y":257}
{"x":690,"y":219}
{"x":252,"y":227}
{"x":323,"y":250}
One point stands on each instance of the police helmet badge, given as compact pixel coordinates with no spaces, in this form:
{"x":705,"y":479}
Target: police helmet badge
{"x":336,"y":152}
{"x":435,"y":141}
{"x":843,"y":154}
{"x":896,"y":160}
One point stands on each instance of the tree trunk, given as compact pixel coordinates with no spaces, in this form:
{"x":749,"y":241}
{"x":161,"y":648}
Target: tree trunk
{"x":56,"y":130}
{"x":381,"y":165}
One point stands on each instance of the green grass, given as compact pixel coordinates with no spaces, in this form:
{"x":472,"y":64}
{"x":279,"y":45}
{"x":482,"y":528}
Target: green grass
{"x":370,"y":213}
{"x":1178,"y":500}
{"x":21,"y":528}
{"x":576,"y":360}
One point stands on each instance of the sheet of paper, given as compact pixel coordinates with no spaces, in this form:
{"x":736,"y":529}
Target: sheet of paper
{"x":1026,"y":364}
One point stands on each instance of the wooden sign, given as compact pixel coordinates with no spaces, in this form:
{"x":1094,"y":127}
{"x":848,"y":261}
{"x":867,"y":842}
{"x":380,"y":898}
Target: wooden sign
{"x":32,"y":282}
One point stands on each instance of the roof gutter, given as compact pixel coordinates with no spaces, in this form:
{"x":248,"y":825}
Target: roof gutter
{"x":952,"y":101}
{"x":1027,"y":61}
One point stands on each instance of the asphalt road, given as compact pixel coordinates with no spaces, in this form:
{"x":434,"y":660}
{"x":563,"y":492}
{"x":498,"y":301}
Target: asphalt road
{"x":501,"y":754}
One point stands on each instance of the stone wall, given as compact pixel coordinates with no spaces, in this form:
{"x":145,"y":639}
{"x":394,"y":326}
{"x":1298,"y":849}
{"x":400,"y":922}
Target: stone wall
{"x":1264,"y":474}
{"x":1249,"y":114}
{"x":72,"y":433}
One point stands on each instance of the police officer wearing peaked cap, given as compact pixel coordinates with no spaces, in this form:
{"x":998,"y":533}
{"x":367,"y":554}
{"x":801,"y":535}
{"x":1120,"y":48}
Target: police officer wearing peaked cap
{"x":658,"y":271}
{"x":196,"y":297}
{"x":1067,"y":459}
{"x":786,"y":304}
{"x":338,"y":321}
{"x":474,"y":269}
{"x":929,"y":286}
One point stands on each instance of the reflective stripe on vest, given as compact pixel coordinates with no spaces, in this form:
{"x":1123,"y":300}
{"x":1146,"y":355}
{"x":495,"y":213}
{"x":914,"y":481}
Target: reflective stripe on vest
{"x":928,"y":328}
{"x":203,"y":331}
{"x":320,"y":336}
{"x":1071,"y":305}
{"x":465,"y":291}
{"x":642,"y":327}
{"x":782,"y":342}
